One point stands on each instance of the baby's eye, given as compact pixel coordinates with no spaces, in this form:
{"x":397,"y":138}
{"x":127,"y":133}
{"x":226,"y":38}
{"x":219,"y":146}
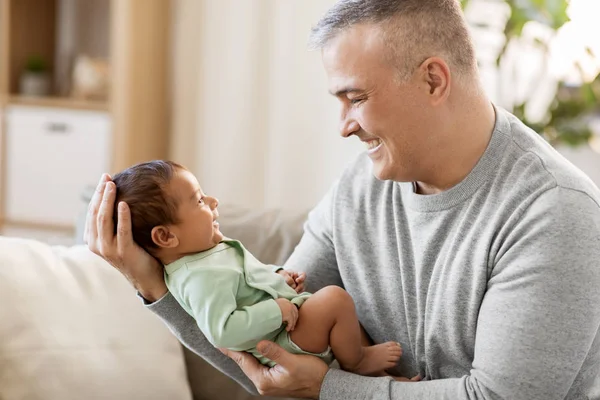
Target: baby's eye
{"x":201,"y":201}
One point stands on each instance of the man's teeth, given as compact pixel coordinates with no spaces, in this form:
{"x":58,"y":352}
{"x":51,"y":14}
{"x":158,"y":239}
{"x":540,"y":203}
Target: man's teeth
{"x":371,"y":144}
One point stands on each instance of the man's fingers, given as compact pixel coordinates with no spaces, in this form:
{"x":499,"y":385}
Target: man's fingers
{"x":124,"y":235}
{"x":89,"y":231}
{"x":247,"y":363}
{"x":416,"y":378}
{"x":275,"y":353}
{"x":105,"y":215}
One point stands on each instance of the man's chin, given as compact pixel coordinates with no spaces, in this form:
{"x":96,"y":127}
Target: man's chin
{"x":381,"y":173}
{"x":386,"y":174}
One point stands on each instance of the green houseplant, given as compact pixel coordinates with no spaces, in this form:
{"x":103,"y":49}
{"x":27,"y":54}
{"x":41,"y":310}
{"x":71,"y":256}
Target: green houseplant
{"x":566,"y":120}
{"x":35,"y":78}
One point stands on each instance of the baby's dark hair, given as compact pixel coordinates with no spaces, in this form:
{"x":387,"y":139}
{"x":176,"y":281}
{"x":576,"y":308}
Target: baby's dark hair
{"x":142,"y":187}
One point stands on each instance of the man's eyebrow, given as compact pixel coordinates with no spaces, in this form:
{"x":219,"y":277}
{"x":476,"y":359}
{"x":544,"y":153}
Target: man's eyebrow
{"x":345,"y":91}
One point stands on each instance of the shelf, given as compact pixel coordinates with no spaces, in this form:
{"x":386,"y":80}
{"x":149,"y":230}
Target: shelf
{"x":57,"y":102}
{"x":7,"y":225}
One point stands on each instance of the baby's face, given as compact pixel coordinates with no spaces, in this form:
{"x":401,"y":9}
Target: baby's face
{"x":198,"y":229}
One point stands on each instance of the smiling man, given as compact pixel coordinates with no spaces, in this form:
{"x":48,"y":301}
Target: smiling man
{"x":459,"y":233}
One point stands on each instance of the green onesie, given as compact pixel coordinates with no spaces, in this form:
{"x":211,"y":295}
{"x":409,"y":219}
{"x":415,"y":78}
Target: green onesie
{"x":231,"y":296}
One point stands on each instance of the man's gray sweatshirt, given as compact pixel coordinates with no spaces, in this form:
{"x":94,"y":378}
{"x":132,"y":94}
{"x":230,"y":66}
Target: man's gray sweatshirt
{"x":491,"y":287}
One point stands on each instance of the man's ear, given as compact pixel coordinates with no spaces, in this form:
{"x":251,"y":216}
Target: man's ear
{"x":438,"y":79}
{"x":163,"y":237}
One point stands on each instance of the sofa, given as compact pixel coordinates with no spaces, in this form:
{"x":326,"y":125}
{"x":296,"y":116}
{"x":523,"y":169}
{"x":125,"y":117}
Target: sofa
{"x":71,"y":326}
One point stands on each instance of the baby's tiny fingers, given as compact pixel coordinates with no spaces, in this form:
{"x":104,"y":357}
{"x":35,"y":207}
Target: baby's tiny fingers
{"x":288,"y":279}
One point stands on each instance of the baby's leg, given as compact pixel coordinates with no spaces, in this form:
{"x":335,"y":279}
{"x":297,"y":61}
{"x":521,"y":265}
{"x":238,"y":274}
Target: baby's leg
{"x":365,"y":339}
{"x":328,"y":318}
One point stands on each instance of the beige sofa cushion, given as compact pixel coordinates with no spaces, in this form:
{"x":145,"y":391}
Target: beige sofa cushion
{"x":72,"y":328}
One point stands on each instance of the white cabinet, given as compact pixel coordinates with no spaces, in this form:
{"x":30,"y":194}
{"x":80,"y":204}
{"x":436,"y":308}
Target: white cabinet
{"x":51,"y":156}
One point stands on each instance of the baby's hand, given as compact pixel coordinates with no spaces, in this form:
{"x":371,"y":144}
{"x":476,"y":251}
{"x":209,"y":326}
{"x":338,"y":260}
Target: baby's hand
{"x":294,"y":279}
{"x":289,"y":313}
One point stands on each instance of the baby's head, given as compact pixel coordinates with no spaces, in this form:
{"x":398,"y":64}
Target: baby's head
{"x":170,"y":215}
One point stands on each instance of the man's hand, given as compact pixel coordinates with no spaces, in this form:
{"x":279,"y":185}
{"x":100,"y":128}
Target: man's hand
{"x":295,"y":375}
{"x":294,"y":279}
{"x":416,"y":378}
{"x":140,"y":268}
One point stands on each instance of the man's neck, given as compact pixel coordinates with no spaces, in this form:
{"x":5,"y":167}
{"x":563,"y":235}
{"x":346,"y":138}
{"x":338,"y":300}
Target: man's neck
{"x":468,"y":141}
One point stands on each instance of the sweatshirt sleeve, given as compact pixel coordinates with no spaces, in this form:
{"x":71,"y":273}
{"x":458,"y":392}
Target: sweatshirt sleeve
{"x":539,"y":318}
{"x":189,"y":334}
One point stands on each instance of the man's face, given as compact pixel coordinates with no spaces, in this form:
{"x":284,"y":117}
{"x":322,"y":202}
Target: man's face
{"x":390,"y":117}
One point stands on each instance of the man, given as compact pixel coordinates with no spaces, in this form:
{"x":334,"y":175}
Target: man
{"x":460,"y":233}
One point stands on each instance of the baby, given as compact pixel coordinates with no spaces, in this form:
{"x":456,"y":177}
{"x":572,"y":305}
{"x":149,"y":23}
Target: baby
{"x":235,"y":300}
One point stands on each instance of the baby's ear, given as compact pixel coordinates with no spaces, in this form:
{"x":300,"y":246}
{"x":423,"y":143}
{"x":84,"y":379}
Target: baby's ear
{"x":163,"y":237}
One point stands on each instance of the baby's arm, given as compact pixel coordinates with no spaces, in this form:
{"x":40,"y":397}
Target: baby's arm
{"x":210,"y":294}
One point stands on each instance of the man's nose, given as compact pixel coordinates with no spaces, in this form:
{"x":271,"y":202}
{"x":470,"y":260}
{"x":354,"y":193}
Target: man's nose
{"x":348,"y":127}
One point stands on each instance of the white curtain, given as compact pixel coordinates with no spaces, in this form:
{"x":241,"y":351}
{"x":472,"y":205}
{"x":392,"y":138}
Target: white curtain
{"x":251,"y":114}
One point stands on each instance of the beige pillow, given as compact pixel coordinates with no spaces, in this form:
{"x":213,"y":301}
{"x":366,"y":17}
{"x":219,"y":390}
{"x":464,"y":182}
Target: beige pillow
{"x":71,"y":327}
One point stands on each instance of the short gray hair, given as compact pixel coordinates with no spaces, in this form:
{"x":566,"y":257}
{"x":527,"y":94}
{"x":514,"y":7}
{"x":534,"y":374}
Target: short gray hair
{"x":413,"y":30}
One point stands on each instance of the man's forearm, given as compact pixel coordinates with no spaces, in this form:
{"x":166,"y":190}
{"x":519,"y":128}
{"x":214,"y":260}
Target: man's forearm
{"x":344,"y":385}
{"x":339,"y":384}
{"x":185,"y":329}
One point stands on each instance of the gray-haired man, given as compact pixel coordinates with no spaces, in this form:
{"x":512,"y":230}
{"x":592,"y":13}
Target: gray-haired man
{"x":459,"y":233}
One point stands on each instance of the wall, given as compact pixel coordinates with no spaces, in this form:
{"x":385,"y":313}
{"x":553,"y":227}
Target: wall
{"x":251,"y":114}
{"x":255,"y":122}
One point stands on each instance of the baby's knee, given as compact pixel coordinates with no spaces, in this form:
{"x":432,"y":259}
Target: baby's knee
{"x":336,"y":296}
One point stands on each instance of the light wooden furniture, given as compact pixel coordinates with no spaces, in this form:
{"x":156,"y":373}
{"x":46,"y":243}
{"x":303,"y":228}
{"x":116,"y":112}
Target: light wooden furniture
{"x":52,"y":147}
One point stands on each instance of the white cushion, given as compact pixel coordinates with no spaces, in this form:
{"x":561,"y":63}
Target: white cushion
{"x":71,"y":327}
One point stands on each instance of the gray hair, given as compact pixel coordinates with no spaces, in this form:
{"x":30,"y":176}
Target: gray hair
{"x":413,"y":30}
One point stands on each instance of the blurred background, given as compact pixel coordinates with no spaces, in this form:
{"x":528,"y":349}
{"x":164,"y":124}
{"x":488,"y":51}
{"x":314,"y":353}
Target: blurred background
{"x":228,"y":88}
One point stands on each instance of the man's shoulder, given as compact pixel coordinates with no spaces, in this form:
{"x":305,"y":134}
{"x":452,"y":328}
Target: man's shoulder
{"x":532,"y":163}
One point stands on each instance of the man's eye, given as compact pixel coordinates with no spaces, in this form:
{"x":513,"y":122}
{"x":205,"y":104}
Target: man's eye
{"x":356,"y":100}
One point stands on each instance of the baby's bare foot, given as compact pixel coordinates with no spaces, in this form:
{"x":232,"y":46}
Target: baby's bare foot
{"x":378,"y":358}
